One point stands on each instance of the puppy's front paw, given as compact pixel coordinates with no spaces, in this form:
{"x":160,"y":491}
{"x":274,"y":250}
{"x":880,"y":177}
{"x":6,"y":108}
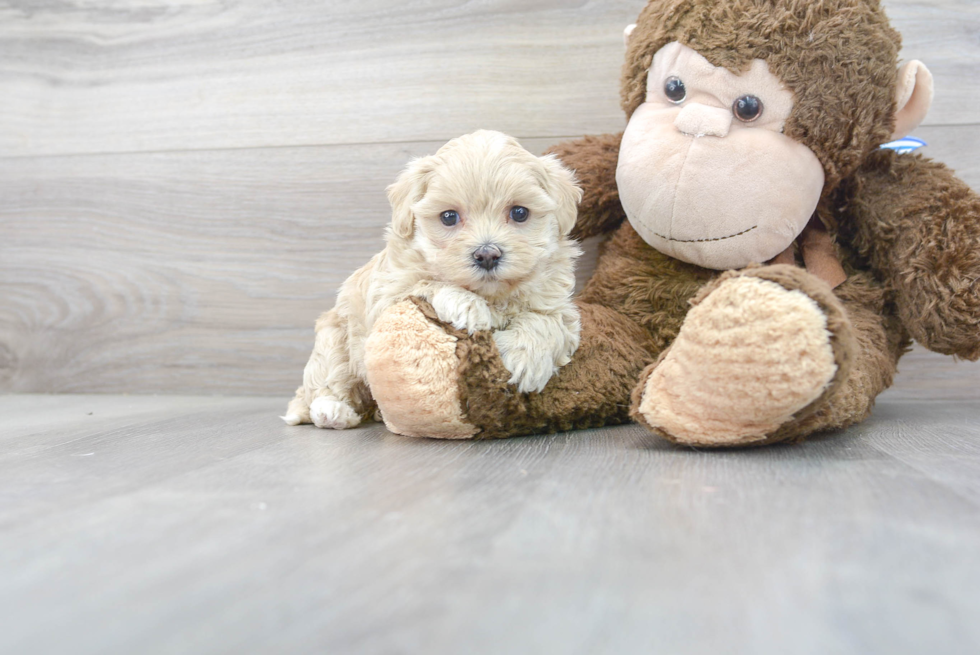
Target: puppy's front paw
{"x":333,"y":414}
{"x":530,"y":368}
{"x":463,"y":309}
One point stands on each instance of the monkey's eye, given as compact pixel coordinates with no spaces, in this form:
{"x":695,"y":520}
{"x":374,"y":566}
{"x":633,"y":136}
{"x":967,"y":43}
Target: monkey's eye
{"x":675,"y":90}
{"x":449,"y":218}
{"x":519,"y":214}
{"x":747,"y":108}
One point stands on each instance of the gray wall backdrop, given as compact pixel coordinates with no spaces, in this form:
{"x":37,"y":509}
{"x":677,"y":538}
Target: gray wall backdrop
{"x":184,"y":184}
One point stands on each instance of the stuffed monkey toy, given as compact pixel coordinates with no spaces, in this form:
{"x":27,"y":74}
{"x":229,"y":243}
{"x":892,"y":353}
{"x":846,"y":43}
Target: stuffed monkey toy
{"x":767,"y":261}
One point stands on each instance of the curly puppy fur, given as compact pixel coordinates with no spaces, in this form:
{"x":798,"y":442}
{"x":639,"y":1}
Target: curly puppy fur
{"x":524,"y":293}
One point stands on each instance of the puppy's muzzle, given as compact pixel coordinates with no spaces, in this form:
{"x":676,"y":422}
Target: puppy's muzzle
{"x":487,"y":257}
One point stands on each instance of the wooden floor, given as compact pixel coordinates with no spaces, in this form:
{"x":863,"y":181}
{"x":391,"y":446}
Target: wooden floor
{"x":183,"y":186}
{"x":180,"y":525}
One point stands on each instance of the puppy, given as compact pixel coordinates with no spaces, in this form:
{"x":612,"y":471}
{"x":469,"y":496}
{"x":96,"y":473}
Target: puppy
{"x":480,"y":231}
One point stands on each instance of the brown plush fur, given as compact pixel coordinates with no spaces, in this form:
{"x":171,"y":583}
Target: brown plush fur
{"x":918,"y":229}
{"x":595,"y":168}
{"x":581,"y":395}
{"x":907,"y":231}
{"x":802,"y":41}
{"x":843,"y":341}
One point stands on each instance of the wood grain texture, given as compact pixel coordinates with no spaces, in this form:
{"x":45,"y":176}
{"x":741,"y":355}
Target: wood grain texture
{"x":161,"y":525}
{"x":83,"y":77}
{"x":190,"y":75}
{"x":196,"y":271}
{"x":203,"y":271}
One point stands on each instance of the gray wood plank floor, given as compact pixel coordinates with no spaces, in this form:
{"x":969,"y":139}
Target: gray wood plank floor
{"x":183,"y":186}
{"x":176,"y":524}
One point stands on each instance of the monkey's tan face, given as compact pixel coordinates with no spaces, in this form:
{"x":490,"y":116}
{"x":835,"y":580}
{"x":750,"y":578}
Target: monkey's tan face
{"x":705,"y":173}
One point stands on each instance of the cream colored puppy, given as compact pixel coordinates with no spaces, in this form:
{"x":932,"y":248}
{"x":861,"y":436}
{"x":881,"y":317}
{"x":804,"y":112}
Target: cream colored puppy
{"x":479,"y":230}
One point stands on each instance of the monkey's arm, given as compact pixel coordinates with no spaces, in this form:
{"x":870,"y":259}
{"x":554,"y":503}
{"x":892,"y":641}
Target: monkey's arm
{"x":594,"y":160}
{"x":919,"y":227}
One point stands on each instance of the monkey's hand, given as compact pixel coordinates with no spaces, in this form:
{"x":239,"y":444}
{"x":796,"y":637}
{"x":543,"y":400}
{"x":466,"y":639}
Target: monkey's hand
{"x":919,"y":225}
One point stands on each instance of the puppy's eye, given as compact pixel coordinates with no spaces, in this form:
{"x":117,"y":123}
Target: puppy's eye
{"x":449,"y":218}
{"x":747,"y":109}
{"x":519,"y":214}
{"x":675,"y":90}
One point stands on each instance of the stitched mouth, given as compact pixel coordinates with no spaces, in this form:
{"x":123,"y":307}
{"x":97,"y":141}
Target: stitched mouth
{"x":730,"y":236}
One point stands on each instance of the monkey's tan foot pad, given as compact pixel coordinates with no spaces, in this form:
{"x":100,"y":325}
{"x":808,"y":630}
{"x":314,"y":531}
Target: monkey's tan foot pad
{"x":749,"y":358}
{"x":412,"y":370}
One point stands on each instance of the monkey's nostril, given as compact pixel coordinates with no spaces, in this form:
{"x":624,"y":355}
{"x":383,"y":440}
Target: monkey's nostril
{"x":487,"y":257}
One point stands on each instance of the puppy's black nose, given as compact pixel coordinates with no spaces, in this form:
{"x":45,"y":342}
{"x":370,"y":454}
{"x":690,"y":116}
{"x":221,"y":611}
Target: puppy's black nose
{"x":487,"y":257}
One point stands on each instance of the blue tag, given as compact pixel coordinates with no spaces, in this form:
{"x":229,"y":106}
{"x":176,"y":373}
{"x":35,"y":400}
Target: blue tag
{"x":906,"y":145}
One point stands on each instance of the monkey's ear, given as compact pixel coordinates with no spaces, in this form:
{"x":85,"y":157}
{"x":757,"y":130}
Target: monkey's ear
{"x":913,"y":96}
{"x":407,"y":190}
{"x":559,"y":183}
{"x":628,"y":32}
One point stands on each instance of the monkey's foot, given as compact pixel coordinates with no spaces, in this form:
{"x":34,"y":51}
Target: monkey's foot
{"x":412,"y":370}
{"x":761,"y":350}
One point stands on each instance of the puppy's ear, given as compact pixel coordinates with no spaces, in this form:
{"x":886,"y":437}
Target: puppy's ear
{"x":407,"y":190}
{"x":559,"y":183}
